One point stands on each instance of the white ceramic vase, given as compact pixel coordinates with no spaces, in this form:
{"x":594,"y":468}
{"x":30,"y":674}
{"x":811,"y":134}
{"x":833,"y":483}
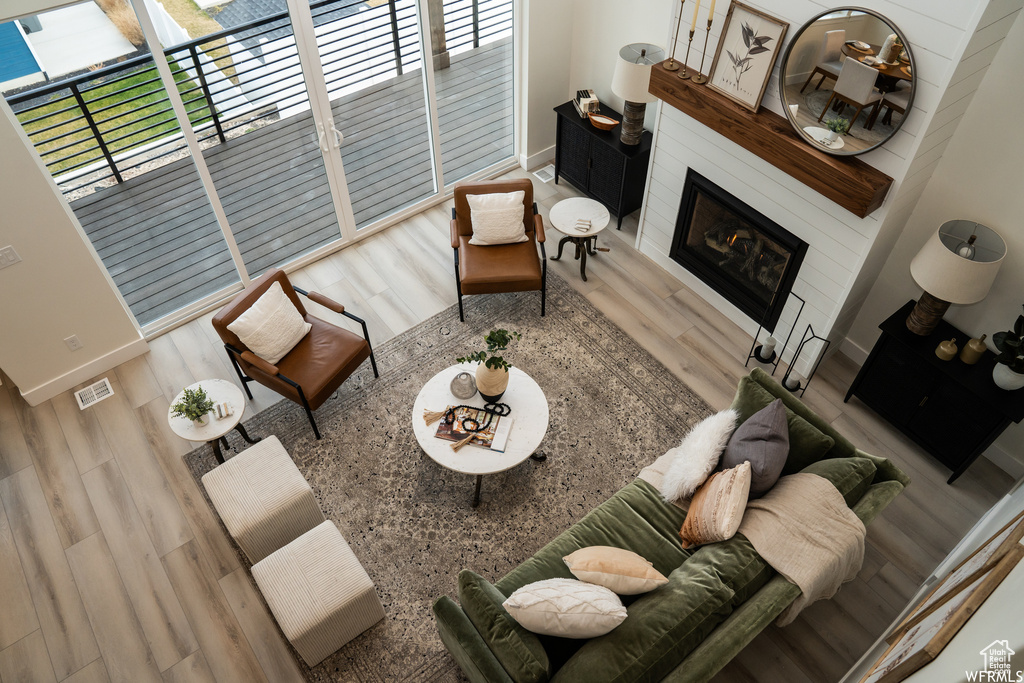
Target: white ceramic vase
{"x":203,"y":421}
{"x":830,"y":136}
{"x":1005,"y":378}
{"x":491,"y":383}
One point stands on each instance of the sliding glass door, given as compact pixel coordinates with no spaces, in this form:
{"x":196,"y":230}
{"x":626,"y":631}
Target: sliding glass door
{"x":258,"y":133}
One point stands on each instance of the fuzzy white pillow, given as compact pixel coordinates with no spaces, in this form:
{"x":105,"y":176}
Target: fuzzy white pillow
{"x":695,"y":458}
{"x":497,"y":218}
{"x":566,"y":608}
{"x":272,"y":326}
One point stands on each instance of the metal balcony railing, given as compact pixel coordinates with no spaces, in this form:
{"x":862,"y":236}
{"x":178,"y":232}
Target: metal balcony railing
{"x":118,"y":120}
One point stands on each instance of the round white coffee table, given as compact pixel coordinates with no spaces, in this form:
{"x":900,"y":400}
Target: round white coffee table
{"x":218,"y":390}
{"x":530,"y":424}
{"x":579,"y":219}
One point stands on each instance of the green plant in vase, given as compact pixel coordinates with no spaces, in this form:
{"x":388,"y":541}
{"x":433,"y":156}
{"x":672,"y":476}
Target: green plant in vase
{"x":194,"y":405}
{"x":1008,"y":372}
{"x":836,"y":127}
{"x":492,"y":371}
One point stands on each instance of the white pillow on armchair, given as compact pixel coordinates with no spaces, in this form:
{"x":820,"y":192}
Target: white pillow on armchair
{"x":497,"y":218}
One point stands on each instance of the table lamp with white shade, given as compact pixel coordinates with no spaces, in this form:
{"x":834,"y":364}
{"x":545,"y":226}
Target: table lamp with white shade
{"x":630,"y":82}
{"x":957,"y":265}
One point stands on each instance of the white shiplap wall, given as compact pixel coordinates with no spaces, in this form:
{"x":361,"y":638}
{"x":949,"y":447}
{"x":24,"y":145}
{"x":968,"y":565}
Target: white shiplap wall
{"x":949,"y":56}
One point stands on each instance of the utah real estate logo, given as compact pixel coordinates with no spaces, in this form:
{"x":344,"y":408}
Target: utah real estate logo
{"x":997,"y":665}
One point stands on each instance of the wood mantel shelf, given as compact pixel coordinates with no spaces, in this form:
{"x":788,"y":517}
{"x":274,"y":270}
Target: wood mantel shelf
{"x":849,"y":182}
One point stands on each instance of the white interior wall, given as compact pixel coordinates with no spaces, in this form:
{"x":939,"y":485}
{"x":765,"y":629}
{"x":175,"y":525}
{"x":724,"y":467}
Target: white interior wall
{"x":978,"y":177}
{"x":547,"y":41}
{"x":601,"y":28}
{"x":58,"y":289}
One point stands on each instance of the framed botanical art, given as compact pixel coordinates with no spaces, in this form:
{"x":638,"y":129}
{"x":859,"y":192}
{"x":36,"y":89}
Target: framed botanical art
{"x":923,"y":642}
{"x":746,"y":53}
{"x":977,"y":563}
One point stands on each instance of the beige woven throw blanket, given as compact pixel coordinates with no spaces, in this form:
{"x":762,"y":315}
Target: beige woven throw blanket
{"x":804,"y":530}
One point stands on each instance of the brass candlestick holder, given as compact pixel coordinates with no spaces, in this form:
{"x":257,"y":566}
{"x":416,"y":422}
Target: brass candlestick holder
{"x":672,"y":64}
{"x":700,"y":78}
{"x":685,"y":74}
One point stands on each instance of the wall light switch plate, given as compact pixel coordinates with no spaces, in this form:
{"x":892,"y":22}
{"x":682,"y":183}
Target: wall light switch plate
{"x":8,"y":257}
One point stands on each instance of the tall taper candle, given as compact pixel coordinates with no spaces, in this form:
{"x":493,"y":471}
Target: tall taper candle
{"x":711,"y":12}
{"x":696,"y":8}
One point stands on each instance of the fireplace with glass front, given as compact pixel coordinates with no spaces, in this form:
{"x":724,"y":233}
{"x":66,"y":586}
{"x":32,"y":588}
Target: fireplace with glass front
{"x":740,"y":253}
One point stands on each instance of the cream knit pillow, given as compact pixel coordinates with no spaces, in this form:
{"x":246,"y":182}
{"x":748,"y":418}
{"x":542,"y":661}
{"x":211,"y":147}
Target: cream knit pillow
{"x":566,"y":608}
{"x":272,"y":326}
{"x":497,"y":218}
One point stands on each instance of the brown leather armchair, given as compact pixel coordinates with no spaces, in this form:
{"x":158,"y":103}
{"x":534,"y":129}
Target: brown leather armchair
{"x":312,"y":371}
{"x":498,"y":268}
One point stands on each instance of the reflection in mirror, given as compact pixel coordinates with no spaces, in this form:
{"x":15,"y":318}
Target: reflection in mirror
{"x":848,"y":81}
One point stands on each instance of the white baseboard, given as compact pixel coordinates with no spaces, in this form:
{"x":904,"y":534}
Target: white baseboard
{"x":1005,"y":461}
{"x":109,"y":361}
{"x":853,"y":351}
{"x":534,"y":160}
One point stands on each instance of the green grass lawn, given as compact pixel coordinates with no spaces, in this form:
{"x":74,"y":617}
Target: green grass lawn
{"x":63,"y":117}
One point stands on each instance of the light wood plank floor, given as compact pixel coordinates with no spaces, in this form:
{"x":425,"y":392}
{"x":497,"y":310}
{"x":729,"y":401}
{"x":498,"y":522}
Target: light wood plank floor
{"x":112,"y":567}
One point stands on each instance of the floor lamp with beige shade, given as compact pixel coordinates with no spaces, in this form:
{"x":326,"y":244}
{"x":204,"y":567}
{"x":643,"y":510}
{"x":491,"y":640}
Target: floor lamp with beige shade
{"x":957,"y":265}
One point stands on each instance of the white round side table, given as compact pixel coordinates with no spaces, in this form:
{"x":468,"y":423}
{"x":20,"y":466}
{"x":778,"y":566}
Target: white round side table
{"x":213,"y":432}
{"x":530,"y":423}
{"x":579,"y":219}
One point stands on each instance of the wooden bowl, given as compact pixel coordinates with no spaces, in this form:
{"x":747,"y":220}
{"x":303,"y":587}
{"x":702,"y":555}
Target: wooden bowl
{"x":602,"y":122}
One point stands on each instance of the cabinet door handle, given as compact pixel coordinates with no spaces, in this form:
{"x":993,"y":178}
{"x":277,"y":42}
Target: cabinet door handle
{"x":923,"y":401}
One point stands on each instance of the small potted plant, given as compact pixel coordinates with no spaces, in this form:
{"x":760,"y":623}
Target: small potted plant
{"x":492,"y":373}
{"x":194,"y":405}
{"x":1008,"y":372}
{"x":836,"y":127}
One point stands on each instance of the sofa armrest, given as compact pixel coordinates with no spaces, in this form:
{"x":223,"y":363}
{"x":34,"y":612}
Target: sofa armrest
{"x":465,"y":644}
{"x":886,"y":469}
{"x":875,"y":500}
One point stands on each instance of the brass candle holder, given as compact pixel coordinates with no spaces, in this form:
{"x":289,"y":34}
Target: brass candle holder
{"x":671,"y":64}
{"x":685,"y":74}
{"x":700,"y":78}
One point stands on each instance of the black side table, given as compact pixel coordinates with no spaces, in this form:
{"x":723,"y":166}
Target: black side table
{"x":952,"y":410}
{"x":597,"y":163}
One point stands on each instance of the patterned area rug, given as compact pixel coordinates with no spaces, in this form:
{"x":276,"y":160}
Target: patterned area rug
{"x":614,"y":408}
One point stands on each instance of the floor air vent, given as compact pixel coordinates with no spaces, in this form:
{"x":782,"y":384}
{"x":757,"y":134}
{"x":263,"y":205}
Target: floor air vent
{"x":545,"y":174}
{"x":94,"y":393}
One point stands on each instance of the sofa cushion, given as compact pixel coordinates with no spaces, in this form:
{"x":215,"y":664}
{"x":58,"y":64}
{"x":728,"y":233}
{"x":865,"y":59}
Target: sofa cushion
{"x":665,"y":625}
{"x":807,"y":443}
{"x":520,"y":652}
{"x":852,"y":476}
{"x":636,"y":518}
{"x":843,"y":447}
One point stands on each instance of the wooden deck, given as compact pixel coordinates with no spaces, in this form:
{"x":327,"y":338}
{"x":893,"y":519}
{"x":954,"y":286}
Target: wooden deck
{"x":156,"y":232}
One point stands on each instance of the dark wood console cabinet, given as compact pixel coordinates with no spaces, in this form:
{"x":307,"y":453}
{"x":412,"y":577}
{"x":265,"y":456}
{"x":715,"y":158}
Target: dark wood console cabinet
{"x":597,"y":163}
{"x":952,"y":410}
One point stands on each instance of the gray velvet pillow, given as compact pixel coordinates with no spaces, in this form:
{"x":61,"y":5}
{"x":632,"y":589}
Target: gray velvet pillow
{"x":763,"y":441}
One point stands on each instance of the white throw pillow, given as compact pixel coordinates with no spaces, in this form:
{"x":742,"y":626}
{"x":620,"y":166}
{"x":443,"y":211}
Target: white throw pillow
{"x":272,"y":326}
{"x":497,"y":218}
{"x":566,"y":607}
{"x":696,"y":457}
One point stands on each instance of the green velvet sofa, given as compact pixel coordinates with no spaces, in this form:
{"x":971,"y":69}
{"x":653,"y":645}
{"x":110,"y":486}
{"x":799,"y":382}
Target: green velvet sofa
{"x":718,"y":598}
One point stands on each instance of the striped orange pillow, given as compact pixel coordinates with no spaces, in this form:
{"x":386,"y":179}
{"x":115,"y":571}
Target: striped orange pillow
{"x":716,"y":509}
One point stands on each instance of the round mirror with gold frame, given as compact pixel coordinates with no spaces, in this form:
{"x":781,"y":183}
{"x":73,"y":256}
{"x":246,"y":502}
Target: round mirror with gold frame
{"x":848,"y":68}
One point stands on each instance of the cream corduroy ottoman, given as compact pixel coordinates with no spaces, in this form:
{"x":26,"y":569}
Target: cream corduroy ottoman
{"x":319,"y":593}
{"x":262,"y":497}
